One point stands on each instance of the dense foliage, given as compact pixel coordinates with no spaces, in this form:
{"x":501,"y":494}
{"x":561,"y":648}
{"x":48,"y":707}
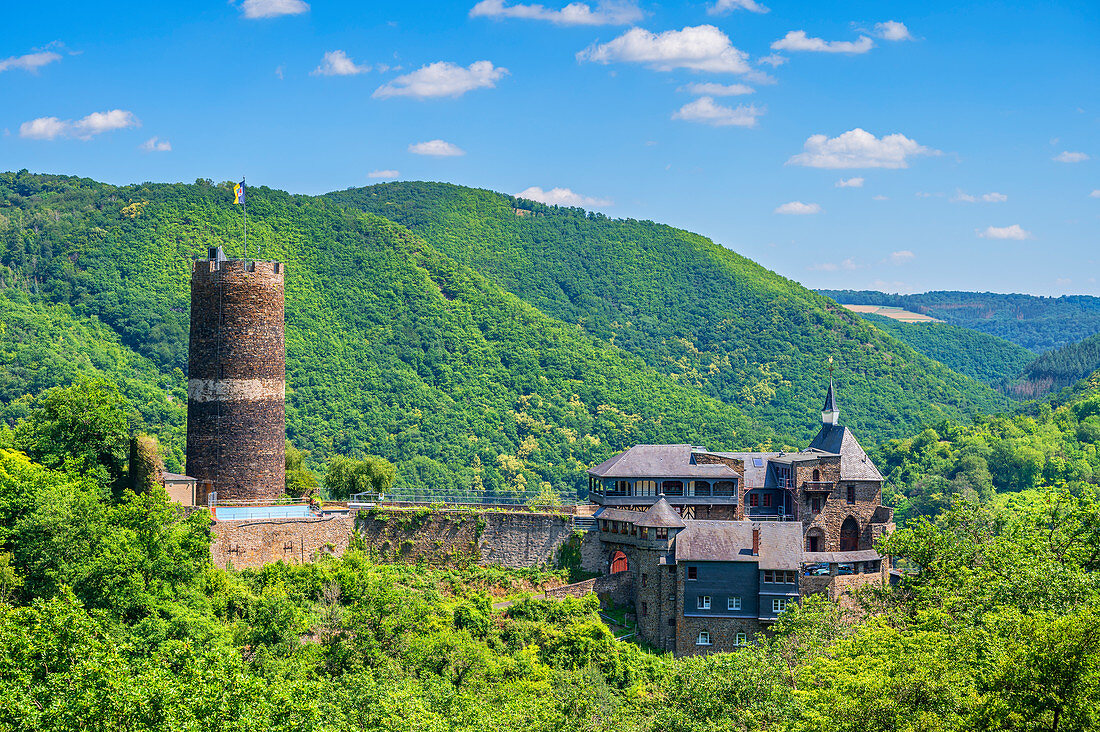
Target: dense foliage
{"x":1036,"y":323}
{"x":112,"y":617}
{"x":695,"y":311}
{"x":980,"y":356}
{"x":995,"y":454}
{"x":392,"y":348}
{"x":1059,"y":368}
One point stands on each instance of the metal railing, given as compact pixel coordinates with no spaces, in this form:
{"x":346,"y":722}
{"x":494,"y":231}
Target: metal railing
{"x":527,"y":500}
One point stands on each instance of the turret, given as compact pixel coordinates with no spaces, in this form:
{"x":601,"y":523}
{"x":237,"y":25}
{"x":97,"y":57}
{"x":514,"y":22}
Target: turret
{"x":830,"y":413}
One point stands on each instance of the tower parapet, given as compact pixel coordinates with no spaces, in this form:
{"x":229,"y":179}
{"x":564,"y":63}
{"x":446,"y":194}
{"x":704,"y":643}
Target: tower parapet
{"x":236,"y":414}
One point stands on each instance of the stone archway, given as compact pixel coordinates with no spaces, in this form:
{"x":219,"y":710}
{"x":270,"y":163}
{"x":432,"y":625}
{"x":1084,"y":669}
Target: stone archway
{"x":849,"y":535}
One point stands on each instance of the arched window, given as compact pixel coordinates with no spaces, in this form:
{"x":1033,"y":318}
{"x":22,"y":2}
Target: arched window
{"x":817,"y":475}
{"x":618,"y":563}
{"x":849,"y":535}
{"x":815,"y":540}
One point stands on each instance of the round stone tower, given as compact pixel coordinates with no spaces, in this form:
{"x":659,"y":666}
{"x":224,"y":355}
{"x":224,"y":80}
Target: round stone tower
{"x":236,"y":386}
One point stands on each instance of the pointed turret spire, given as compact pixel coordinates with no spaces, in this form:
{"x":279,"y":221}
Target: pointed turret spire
{"x":830,"y":413}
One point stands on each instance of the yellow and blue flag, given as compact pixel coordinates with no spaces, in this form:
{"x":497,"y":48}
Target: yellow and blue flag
{"x":238,"y":192}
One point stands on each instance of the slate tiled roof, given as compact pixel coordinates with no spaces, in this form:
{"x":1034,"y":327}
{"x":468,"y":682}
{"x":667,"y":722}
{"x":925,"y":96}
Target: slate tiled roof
{"x":661,"y":515}
{"x":659,"y":461}
{"x":617,"y":514}
{"x":177,"y":478}
{"x":854,"y":463}
{"x":754,"y":476}
{"x":731,"y":541}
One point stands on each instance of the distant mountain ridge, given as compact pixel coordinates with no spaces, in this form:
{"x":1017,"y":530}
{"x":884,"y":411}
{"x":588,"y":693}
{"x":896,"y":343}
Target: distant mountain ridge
{"x":1037,"y":323}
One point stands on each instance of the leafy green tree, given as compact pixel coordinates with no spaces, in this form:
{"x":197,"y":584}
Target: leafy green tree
{"x":346,"y":476}
{"x":300,"y":480}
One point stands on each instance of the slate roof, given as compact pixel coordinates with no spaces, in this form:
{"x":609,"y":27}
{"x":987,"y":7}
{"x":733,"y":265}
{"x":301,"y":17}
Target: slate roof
{"x":617,"y":514}
{"x":659,"y":461}
{"x":839,"y":440}
{"x":661,"y":515}
{"x":754,"y":476}
{"x":731,"y":541}
{"x":830,"y":399}
{"x":177,"y":478}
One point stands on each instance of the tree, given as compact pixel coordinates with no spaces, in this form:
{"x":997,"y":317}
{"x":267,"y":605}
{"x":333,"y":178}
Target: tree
{"x":300,"y":480}
{"x":347,"y":476}
{"x":146,"y":465}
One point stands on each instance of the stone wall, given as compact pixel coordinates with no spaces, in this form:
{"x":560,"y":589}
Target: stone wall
{"x":838,"y":588}
{"x":241,"y":544}
{"x":614,"y":589}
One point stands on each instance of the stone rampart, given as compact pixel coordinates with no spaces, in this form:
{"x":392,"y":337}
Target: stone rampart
{"x":613,"y":589}
{"x":241,"y":544}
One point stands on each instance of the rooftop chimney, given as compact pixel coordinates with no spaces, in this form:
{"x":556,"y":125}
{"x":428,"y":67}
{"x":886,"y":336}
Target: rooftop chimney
{"x":756,"y":541}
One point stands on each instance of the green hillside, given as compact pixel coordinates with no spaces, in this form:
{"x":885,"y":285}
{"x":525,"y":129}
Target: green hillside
{"x":1036,"y":323}
{"x":980,"y":356}
{"x":392,"y":348}
{"x":693,"y":310}
{"x":1059,"y":368}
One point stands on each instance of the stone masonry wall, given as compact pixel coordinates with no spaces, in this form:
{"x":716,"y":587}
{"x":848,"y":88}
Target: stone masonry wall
{"x":241,"y":544}
{"x":613,"y":589}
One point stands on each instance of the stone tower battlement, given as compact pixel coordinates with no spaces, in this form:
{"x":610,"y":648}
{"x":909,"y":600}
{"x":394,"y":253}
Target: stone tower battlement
{"x":236,"y":415}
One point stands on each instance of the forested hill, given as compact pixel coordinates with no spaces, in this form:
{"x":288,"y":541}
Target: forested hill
{"x":1060,"y":368}
{"x":699,"y":313}
{"x":392,"y":348}
{"x":1036,"y":323}
{"x":980,"y":356}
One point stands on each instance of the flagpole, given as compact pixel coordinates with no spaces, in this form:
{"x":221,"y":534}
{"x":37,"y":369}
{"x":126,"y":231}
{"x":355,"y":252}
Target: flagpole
{"x":244,"y":205}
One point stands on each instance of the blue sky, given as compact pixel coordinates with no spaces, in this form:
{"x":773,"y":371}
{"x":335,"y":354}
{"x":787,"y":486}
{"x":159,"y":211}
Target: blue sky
{"x":882,"y":145}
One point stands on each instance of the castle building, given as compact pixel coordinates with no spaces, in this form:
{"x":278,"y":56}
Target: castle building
{"x":236,"y":387}
{"x":719,"y":543}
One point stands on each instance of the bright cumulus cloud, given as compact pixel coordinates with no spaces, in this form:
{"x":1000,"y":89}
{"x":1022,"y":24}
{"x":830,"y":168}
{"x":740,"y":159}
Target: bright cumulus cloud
{"x":155,"y":144}
{"x":436,"y":148}
{"x":718,"y":90}
{"x":799,"y":41}
{"x":859,"y":149}
{"x":1004,"y":232}
{"x":721,"y":7}
{"x":709,"y":112}
{"x":892,"y":30}
{"x":337,"y":63}
{"x":273,"y":8}
{"x":850,"y":183}
{"x":1095,"y":193}
{"x":797,"y":208}
{"x":1071,"y":157}
{"x":384,"y":174}
{"x":562,"y":197}
{"x":443,"y":79}
{"x":96,"y":123}
{"x":29,"y":61}
{"x":992,"y":197}
{"x":606,"y":13}
{"x":701,"y":48}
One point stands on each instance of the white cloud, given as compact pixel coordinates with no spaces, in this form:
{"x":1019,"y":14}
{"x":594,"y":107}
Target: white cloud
{"x":1004,"y":232}
{"x":717,"y":90}
{"x":702,"y":48}
{"x":384,"y":174}
{"x":442,"y":79}
{"x":1063,"y":281}
{"x":1095,"y":193}
{"x":721,"y":7}
{"x":880,"y":197}
{"x":273,"y":8}
{"x":705,"y":110}
{"x":892,"y":30}
{"x":797,"y":208}
{"x":901,"y":257}
{"x":96,"y":123}
{"x":992,"y":197}
{"x":926,"y":194}
{"x":562,"y":197}
{"x":859,"y":149}
{"x":606,"y":13}
{"x":850,"y":183}
{"x":43,"y":128}
{"x":29,"y":61}
{"x":799,"y":41}
{"x":1070,"y":157}
{"x":774,"y":59}
{"x":155,"y":144}
{"x":337,"y":63}
{"x":436,"y":148}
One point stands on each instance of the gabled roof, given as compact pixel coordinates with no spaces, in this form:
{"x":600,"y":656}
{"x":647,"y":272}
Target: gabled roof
{"x":661,"y":515}
{"x":177,"y":478}
{"x":854,"y":463}
{"x":731,"y":541}
{"x":660,"y":461}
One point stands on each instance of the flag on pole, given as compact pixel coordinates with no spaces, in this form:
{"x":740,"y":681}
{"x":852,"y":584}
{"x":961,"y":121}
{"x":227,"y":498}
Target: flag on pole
{"x":238,"y":192}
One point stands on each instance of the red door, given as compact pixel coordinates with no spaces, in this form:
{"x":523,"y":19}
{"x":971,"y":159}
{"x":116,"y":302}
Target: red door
{"x":618,"y":563}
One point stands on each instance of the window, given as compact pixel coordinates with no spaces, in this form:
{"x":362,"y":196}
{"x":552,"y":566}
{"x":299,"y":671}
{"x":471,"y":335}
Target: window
{"x":693,"y":573}
{"x":662,"y":533}
{"x":703,"y":639}
{"x":779,"y":576}
{"x":703,"y":602}
{"x":645,"y":579}
{"x":672,"y":569}
{"x":673,"y":487}
{"x":754,"y":500}
{"x":758,"y":462}
{"x":742,"y":639}
{"x":645,"y":609}
{"x":672,"y":622}
{"x":779,"y":604}
{"x":767,"y":500}
{"x":815,"y":504}
{"x":733,"y":603}
{"x":851,"y":494}
{"x":817,"y":475}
